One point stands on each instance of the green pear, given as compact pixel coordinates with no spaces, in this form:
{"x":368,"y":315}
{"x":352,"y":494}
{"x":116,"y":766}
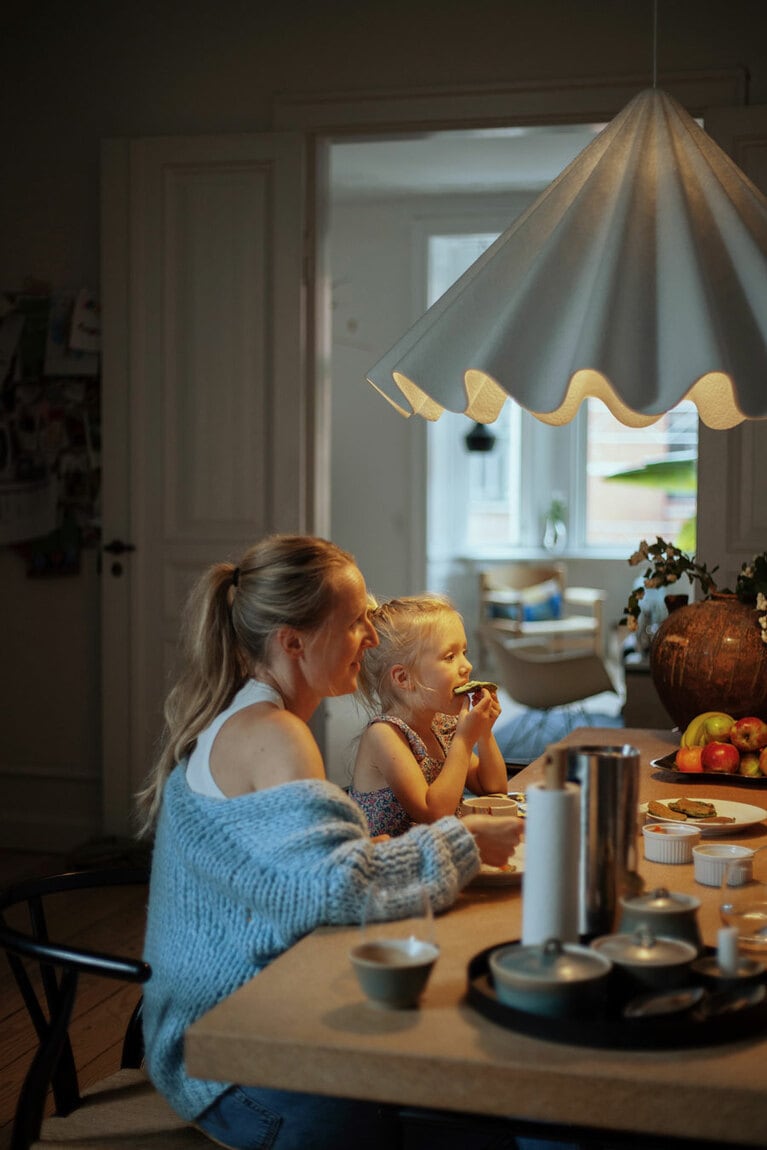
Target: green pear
{"x":717,"y":728}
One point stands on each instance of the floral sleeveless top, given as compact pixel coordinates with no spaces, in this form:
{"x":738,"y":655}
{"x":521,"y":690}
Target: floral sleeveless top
{"x":384,"y":812}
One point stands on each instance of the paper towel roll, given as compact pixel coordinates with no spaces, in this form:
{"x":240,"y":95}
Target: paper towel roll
{"x":550,"y":885}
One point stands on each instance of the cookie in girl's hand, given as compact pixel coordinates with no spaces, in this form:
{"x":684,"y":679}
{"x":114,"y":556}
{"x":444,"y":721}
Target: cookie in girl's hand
{"x":474,"y":685}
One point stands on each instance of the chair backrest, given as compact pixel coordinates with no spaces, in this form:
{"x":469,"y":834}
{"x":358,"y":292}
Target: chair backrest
{"x":47,"y":973}
{"x":535,"y":677}
{"x":518,"y":576}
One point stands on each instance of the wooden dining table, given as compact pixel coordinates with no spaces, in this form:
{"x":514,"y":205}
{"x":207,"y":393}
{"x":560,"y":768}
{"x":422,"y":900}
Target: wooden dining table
{"x":304,"y":1024}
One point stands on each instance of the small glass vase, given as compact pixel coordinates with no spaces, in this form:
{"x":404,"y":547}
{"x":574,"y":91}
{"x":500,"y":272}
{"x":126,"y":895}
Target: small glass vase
{"x":554,"y":535}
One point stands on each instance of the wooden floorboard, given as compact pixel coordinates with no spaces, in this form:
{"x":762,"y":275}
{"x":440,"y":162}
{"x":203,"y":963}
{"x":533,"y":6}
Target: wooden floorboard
{"x":110,"y":920}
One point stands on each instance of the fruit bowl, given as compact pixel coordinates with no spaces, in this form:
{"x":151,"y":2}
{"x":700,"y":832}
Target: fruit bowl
{"x":668,"y":773}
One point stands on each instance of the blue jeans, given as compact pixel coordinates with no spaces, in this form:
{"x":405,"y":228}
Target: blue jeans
{"x":251,"y":1118}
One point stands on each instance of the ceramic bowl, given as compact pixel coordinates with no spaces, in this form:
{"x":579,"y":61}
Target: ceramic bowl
{"x":663,"y":913}
{"x":748,"y":971}
{"x":394,"y":972}
{"x":710,"y":859}
{"x":666,"y":843}
{"x":558,"y":979}
{"x":646,"y":961}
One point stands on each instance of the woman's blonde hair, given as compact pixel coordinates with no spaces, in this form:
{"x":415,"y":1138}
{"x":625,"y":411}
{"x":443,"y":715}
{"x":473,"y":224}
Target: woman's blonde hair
{"x":404,"y":627}
{"x":227,"y":625}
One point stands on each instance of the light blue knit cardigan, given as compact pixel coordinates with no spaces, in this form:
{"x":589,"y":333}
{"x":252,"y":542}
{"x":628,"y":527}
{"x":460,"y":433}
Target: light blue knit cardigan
{"x":235,"y":882}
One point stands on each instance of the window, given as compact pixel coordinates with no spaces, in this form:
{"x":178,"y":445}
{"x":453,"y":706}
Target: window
{"x":481,"y":504}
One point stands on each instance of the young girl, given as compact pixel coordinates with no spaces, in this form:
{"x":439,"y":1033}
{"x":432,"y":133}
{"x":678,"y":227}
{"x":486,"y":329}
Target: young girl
{"x":416,"y":755}
{"x":253,"y":847}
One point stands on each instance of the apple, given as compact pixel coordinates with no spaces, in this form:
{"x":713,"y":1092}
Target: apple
{"x":717,"y":728}
{"x":763,"y":760}
{"x":721,"y":758}
{"x":749,"y":733}
{"x":749,"y":764}
{"x":688,"y":759}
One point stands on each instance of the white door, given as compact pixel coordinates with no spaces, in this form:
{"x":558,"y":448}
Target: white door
{"x":209,"y":416}
{"x":732,"y":513}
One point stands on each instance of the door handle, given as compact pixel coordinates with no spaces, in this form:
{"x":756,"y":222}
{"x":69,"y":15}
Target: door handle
{"x":118,"y":547}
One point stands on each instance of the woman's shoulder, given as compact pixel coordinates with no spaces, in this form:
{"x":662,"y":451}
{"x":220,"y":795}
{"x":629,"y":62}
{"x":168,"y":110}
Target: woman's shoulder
{"x":305,"y":792}
{"x":283,"y":746}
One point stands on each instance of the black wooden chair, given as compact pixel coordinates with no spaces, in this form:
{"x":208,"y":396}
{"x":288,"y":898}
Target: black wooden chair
{"x":122,"y":1110}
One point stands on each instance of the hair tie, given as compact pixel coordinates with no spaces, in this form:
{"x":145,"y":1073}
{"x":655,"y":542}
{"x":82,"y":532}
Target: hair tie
{"x":236,"y":577}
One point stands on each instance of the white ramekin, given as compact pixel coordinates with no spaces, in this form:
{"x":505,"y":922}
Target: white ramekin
{"x":710,"y":859}
{"x":669,"y":843}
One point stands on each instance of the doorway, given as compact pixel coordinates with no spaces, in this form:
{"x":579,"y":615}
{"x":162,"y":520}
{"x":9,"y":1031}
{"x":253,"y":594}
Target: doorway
{"x":387,"y":198}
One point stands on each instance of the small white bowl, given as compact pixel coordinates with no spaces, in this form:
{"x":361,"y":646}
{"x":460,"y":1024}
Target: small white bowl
{"x":668,"y":843}
{"x":710,"y":859}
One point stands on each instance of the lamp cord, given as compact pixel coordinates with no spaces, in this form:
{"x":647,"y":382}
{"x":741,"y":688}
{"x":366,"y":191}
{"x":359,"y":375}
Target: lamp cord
{"x":655,"y":44}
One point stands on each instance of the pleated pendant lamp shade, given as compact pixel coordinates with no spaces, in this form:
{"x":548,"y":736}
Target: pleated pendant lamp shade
{"x":639,"y":276}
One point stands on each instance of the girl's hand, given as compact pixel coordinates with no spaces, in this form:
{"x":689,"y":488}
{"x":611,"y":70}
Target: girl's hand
{"x":476,"y":722}
{"x":496,"y":837}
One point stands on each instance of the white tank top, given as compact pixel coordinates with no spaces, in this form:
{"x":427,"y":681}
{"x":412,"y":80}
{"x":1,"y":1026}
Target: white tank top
{"x":198,"y":774}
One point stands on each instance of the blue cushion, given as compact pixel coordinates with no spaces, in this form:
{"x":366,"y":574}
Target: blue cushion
{"x":550,"y":608}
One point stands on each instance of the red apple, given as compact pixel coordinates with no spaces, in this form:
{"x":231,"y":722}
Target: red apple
{"x":749,"y":734}
{"x":749,"y":764}
{"x":763,"y":760}
{"x":722,"y":758}
{"x":688,"y":759}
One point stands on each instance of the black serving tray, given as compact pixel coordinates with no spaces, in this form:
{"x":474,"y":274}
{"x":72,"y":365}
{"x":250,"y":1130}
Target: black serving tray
{"x":666,"y":772}
{"x":613,"y":1030}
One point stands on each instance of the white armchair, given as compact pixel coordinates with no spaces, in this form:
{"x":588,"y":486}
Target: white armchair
{"x":533,"y":601}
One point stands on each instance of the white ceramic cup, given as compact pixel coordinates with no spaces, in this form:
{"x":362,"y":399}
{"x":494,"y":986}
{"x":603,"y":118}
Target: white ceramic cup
{"x":488,"y":805}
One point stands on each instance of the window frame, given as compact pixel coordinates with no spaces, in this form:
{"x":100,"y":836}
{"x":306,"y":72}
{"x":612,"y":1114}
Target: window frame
{"x":551,"y":459}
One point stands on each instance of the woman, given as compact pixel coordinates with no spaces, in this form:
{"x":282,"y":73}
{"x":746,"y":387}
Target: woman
{"x":253,"y":846}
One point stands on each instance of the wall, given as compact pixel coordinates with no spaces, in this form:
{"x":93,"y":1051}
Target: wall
{"x":71,"y":75}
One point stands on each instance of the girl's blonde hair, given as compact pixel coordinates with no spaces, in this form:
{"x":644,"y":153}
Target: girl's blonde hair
{"x":404,"y":627}
{"x":227,"y":625}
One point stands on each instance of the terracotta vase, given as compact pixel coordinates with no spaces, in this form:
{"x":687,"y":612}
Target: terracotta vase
{"x":709,"y":656}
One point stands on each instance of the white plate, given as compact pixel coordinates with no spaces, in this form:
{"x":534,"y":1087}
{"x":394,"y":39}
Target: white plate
{"x":743,"y":815}
{"x":495,"y":876}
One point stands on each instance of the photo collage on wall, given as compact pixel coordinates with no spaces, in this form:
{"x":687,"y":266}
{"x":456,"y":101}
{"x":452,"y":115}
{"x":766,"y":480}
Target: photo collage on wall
{"x":50,"y":427}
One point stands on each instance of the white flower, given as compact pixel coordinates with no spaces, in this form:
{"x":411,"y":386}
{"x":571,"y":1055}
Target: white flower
{"x":761,"y":601}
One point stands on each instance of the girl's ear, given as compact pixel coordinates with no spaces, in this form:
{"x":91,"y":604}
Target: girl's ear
{"x":400,"y":677}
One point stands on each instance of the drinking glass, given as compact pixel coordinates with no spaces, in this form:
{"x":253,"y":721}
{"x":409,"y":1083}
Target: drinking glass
{"x":743,"y":900}
{"x":395,"y":955}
